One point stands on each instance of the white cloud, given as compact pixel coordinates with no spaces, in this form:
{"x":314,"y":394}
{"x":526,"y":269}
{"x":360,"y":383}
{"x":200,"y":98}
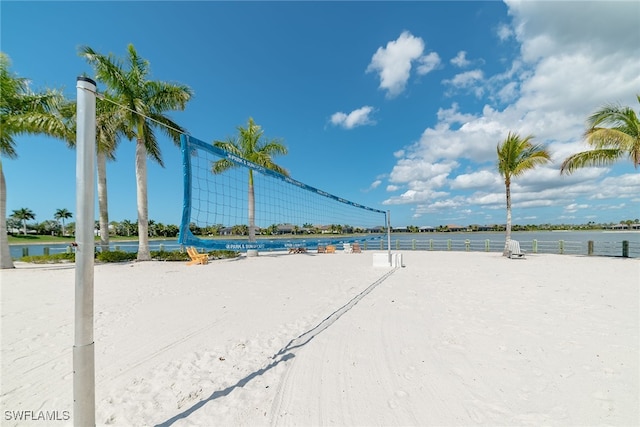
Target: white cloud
{"x":482,"y":179}
{"x":428,"y":63}
{"x":460,"y":59}
{"x":393,"y":63}
{"x":375,"y":184}
{"x":466,"y":79}
{"x":504,"y":32}
{"x":359,"y":117}
{"x":574,"y":207}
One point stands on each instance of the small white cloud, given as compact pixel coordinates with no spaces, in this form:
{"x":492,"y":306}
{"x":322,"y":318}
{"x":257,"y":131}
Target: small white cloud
{"x":504,"y":32}
{"x":428,"y":63}
{"x":461,"y":59}
{"x":375,"y":184}
{"x":392,"y":188}
{"x":393,"y":62}
{"x":466,"y":79}
{"x":359,"y":117}
{"x":574,"y":207}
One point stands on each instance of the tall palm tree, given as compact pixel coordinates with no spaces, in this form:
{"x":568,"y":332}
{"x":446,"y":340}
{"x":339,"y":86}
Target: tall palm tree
{"x":110,"y":128}
{"x":144,"y":103}
{"x":23,"y":112}
{"x":250,"y":144}
{"x":23,"y":215}
{"x":614,"y":132}
{"x":62,"y":214}
{"x":517,"y":155}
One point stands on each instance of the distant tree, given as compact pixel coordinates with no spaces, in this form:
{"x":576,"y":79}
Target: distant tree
{"x":614,"y":132}
{"x":239,"y":229}
{"x":128,"y":228}
{"x":23,"y":215}
{"x":517,"y":155}
{"x":250,"y":144}
{"x":62,"y":214}
{"x":153,"y":231}
{"x":172,"y":230}
{"x":49,"y":226}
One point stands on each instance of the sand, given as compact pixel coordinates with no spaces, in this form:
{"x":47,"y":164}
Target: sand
{"x":450,"y":339}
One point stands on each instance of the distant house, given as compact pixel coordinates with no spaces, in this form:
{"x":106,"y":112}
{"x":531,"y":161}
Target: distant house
{"x":376,"y":230}
{"x":426,"y":229}
{"x":453,"y":228}
{"x":619,"y":227}
{"x":226,"y":231}
{"x":400,"y":229}
{"x":285,"y":229}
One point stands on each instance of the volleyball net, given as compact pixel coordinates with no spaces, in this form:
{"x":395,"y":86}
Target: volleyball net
{"x":286,"y":213}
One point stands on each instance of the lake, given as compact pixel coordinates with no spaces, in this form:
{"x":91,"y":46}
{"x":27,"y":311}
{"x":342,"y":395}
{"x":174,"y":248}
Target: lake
{"x":605,"y":243}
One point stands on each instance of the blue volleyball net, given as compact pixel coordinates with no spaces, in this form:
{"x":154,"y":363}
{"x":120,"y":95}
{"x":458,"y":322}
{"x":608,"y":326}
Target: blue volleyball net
{"x":287,"y":213}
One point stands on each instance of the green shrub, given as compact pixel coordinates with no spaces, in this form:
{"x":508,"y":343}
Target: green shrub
{"x":220,"y":254}
{"x":116,"y":256}
{"x":169,"y":256}
{"x":50,"y":259}
{"x":178,"y":255}
{"x":122,"y":256}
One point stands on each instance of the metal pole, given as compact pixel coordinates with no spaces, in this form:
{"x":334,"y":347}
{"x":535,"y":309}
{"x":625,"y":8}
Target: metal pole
{"x":389,"y":236}
{"x":84,"y":400}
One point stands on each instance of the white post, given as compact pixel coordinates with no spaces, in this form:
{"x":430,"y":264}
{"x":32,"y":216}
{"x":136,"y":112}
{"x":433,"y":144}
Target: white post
{"x":389,"y":237}
{"x":84,"y":400}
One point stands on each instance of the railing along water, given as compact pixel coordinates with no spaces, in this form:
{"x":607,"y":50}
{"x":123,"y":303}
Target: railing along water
{"x":623,"y":248}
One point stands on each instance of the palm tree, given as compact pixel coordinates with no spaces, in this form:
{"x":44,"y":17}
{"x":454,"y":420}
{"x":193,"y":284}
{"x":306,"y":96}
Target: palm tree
{"x":614,"y":132}
{"x":110,"y":127}
{"x":62,"y":214}
{"x":251,"y":145}
{"x":23,"y":215}
{"x":22,"y":112}
{"x":517,"y":155}
{"x":144,"y":103}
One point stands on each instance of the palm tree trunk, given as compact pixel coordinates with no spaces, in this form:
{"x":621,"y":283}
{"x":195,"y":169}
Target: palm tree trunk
{"x":252,"y":210}
{"x":102,"y":201}
{"x":5,"y":254}
{"x":143,"y":207}
{"x":508,"y":235}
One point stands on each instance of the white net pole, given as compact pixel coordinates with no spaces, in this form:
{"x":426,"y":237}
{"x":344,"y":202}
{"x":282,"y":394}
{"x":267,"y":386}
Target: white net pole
{"x":83,"y":348}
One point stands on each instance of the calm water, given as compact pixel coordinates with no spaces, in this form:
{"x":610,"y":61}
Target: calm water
{"x":606,"y":243}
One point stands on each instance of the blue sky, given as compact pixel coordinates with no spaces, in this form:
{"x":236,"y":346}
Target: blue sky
{"x":395,"y":105}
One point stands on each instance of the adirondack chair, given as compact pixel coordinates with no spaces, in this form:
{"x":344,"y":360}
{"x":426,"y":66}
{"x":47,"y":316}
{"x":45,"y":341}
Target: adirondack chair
{"x":355,"y":248}
{"x":514,"y":250}
{"x":196,"y":257}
